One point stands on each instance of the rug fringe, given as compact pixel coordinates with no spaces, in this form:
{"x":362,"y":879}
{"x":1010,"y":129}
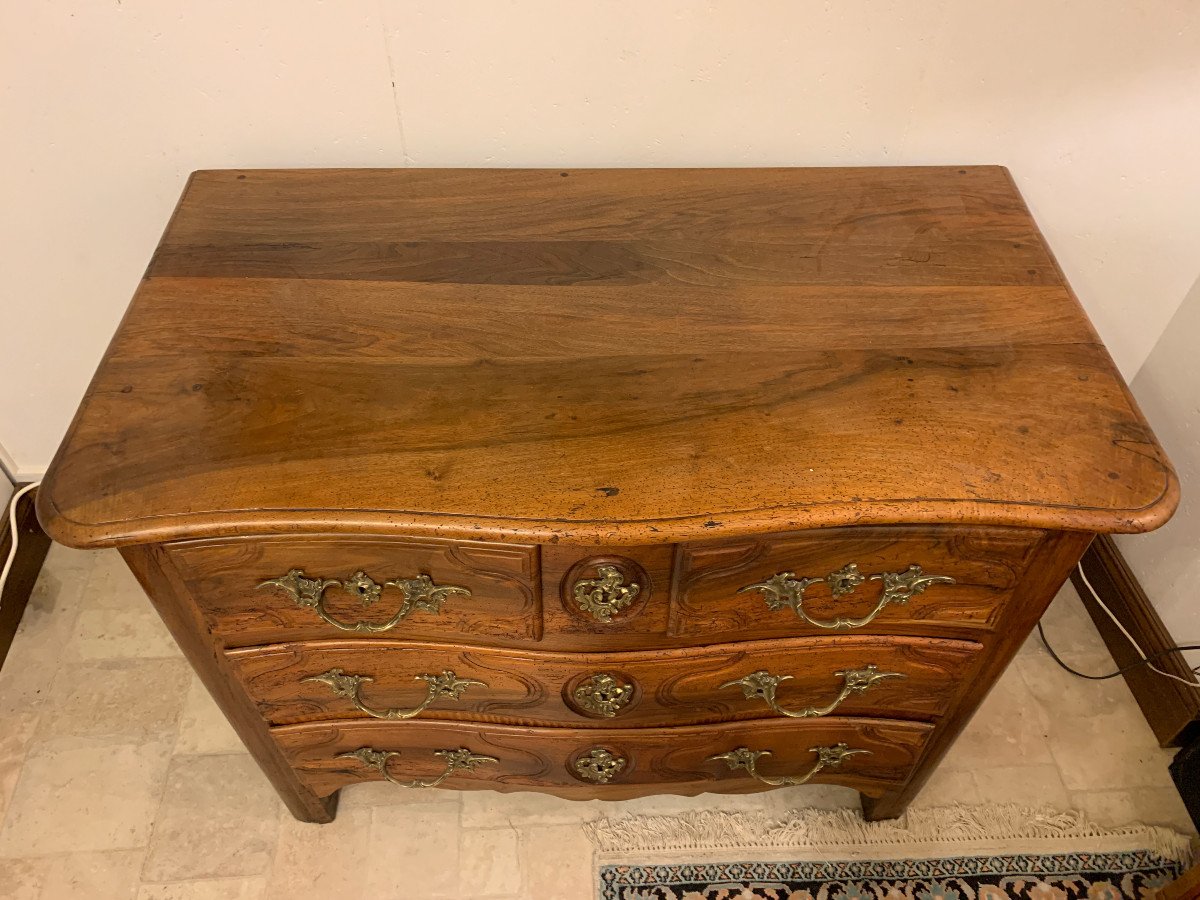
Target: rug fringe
{"x":932,"y":830}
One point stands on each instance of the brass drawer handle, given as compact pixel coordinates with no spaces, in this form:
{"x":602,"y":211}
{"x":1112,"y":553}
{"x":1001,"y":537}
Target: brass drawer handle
{"x":606,"y":594}
{"x":458,"y":760}
{"x":599,"y":766}
{"x":763,"y":684}
{"x":419,"y":593}
{"x":785,"y":590}
{"x":446,"y":685}
{"x":827,"y":758}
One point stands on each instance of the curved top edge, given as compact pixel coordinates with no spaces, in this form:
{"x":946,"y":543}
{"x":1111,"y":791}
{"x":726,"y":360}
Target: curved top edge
{"x":899,"y":511}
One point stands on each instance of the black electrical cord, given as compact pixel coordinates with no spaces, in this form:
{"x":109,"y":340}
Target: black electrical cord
{"x":1149,"y":659}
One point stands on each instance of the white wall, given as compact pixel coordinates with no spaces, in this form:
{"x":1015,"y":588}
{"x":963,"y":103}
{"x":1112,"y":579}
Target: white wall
{"x":1167,"y":561}
{"x":106,"y":106}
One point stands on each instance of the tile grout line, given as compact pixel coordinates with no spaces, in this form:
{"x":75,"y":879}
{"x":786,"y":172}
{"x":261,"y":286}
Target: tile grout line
{"x":166,"y":780}
{"x":21,"y":770}
{"x":269,"y":875}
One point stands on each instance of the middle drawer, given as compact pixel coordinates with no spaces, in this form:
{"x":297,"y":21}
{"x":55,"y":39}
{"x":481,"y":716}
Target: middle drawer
{"x":907,"y":677}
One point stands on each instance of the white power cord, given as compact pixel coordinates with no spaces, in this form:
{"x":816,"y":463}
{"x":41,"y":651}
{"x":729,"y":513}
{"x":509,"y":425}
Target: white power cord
{"x":1142,"y":653}
{"x":12,"y":526}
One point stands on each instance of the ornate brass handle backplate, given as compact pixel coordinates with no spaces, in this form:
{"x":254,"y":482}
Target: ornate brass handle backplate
{"x":785,"y":590}
{"x":827,"y":758}
{"x":447,"y":685}
{"x":458,"y":760}
{"x":419,"y":593}
{"x":763,"y":684}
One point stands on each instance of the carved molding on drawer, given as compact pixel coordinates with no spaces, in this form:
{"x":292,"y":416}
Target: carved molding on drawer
{"x":521,"y":574}
{"x":535,"y":691}
{"x":673,"y":692}
{"x":418,"y":593}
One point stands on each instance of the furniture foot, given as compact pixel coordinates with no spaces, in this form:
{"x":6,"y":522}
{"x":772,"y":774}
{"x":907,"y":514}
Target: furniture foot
{"x":889,"y":806}
{"x":306,"y":806}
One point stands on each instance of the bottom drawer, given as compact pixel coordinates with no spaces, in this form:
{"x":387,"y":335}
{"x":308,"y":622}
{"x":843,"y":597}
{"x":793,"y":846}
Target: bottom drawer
{"x":870,"y":755}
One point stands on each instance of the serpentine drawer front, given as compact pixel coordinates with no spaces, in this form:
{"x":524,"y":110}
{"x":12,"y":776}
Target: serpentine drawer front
{"x":602,"y":483}
{"x":871,"y":755}
{"x":862,"y":580}
{"x":912,"y":678}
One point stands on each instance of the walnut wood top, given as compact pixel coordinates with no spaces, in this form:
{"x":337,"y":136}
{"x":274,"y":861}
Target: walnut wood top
{"x":618,"y":356}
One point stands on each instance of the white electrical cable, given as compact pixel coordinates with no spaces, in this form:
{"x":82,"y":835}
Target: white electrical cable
{"x":12,"y":526}
{"x":1130,"y":637}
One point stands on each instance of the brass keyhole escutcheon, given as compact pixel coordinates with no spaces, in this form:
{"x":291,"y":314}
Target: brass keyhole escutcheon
{"x":605,"y":590}
{"x":605,"y":594}
{"x":603,"y":695}
{"x":599,"y":765}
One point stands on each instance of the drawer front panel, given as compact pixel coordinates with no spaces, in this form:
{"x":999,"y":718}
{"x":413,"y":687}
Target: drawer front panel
{"x":849,"y":580}
{"x":805,"y":678}
{"x":870,"y":755}
{"x":272,"y":591}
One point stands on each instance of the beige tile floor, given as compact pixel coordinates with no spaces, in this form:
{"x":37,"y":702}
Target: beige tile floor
{"x":119,"y":778}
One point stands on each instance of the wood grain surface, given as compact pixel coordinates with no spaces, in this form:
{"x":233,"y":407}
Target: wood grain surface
{"x":597,"y":356}
{"x":986,"y":564}
{"x":668,"y":687}
{"x":670,"y":761}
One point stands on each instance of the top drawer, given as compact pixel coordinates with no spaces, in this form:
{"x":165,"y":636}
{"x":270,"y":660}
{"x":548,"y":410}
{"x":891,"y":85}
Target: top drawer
{"x":273,"y":590}
{"x":916,"y":580}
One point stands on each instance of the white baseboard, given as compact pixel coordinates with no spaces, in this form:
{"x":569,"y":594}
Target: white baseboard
{"x":7,"y":464}
{"x":15,"y":473}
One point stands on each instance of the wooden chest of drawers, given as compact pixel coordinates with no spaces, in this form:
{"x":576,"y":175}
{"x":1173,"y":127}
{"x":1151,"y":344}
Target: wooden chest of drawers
{"x":603,"y":483}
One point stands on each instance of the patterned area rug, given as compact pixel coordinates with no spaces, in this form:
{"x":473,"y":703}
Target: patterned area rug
{"x":957,"y":853}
